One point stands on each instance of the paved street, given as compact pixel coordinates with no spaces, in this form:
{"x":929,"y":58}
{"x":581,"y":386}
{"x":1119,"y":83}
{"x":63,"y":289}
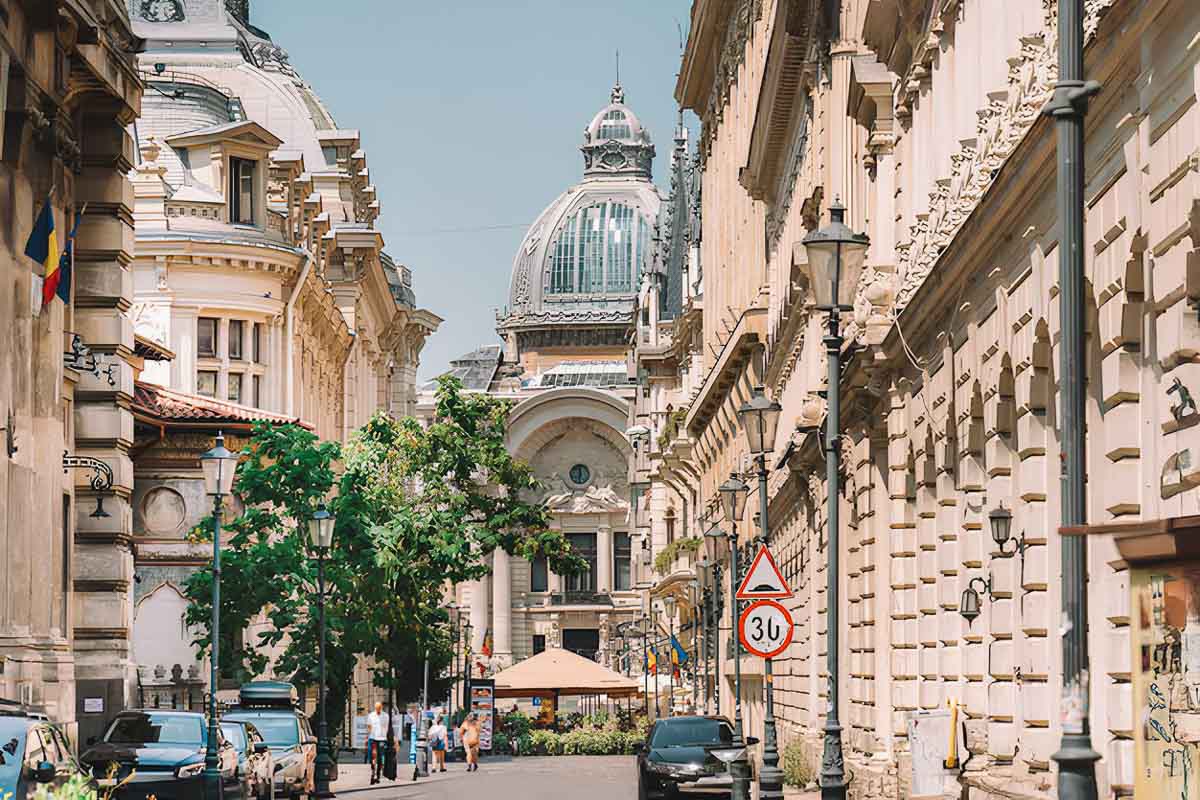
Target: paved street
{"x":536,"y":778}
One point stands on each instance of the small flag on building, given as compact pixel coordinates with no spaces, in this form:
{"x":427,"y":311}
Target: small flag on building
{"x":652,"y":662}
{"x":678,"y":654}
{"x":66,"y":266}
{"x":487,"y":643}
{"x":42,"y":247}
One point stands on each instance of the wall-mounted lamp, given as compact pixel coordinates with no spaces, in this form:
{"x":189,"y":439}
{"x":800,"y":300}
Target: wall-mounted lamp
{"x":1001,"y":524}
{"x":969,"y":605}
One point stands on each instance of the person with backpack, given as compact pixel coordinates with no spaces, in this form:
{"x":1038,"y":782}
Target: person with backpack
{"x":438,"y":742}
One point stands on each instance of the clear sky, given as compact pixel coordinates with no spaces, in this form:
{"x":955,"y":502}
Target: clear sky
{"x":471,"y":114}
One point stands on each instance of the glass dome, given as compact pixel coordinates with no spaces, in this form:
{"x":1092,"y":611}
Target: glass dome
{"x":599,"y":250}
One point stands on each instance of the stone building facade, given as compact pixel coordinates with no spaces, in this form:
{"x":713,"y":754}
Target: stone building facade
{"x":68,"y":91}
{"x":563,"y":365}
{"x":923,"y":119}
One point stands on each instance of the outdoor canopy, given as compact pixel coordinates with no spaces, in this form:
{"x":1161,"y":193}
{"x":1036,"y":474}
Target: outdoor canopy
{"x":561,"y":672}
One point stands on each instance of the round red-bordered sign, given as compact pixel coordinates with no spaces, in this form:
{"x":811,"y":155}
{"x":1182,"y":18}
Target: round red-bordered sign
{"x":765,"y":628}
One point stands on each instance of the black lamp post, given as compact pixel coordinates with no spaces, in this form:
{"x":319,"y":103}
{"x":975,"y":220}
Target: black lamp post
{"x":219,"y":466}
{"x":760,"y":421}
{"x":835,"y":261}
{"x":320,"y":536}
{"x":733,"y":500}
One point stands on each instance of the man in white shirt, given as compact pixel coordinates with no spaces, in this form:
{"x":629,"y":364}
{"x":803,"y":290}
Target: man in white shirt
{"x":377,"y":725}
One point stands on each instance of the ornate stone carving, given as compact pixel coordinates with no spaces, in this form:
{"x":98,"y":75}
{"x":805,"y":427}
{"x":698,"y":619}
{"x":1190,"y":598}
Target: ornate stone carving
{"x":161,"y":10}
{"x":594,"y":500}
{"x":733,"y":54}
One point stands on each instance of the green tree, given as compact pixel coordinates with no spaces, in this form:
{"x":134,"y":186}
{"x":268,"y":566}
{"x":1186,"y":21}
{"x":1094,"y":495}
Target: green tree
{"x":416,"y":508}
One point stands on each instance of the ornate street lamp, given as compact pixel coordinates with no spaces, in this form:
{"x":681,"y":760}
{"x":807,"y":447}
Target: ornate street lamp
{"x":1000,"y":521}
{"x":668,"y":605}
{"x":320,"y":536}
{"x":760,"y":421}
{"x":731,"y":490}
{"x":835,"y":260}
{"x":219,"y":466}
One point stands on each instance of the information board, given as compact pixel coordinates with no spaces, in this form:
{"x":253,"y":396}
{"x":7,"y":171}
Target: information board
{"x":483,"y":703}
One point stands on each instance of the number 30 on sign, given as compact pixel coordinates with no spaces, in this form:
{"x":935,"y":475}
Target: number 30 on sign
{"x":765,"y":628}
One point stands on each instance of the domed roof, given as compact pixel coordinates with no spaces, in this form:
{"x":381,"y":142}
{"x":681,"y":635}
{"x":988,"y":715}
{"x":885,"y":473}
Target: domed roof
{"x":582,"y":259}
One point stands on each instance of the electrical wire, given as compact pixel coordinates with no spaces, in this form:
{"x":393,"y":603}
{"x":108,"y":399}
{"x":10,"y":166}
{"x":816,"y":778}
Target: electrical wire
{"x":476,"y":229}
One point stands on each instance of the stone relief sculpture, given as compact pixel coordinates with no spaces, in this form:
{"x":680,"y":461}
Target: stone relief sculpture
{"x":594,"y":500}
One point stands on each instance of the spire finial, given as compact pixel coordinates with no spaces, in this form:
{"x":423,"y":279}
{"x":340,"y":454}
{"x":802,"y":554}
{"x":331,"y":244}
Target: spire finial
{"x":618,"y":94}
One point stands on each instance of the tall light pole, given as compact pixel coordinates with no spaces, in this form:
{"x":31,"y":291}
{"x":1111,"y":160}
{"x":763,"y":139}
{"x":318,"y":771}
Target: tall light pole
{"x":668,"y":602}
{"x":733,"y":500}
{"x":320,"y":535}
{"x":219,"y":466}
{"x":760,"y":421}
{"x":835,"y":261}
{"x":1076,"y":757}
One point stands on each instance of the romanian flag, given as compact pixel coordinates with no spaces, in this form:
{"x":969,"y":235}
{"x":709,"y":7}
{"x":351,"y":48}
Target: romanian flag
{"x":678,"y":654}
{"x":42,"y":247}
{"x":652,"y":662}
{"x":66,"y":264}
{"x":487,"y":643}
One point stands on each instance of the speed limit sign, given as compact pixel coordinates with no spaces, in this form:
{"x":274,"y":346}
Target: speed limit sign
{"x":765,"y":628}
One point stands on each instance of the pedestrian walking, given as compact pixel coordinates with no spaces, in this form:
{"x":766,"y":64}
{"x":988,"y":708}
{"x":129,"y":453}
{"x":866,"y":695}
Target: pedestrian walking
{"x":470,"y":737}
{"x":438,"y":736}
{"x":377,"y":731}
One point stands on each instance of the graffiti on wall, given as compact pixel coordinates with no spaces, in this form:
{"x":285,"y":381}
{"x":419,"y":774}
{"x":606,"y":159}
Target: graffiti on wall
{"x":1166,"y":642}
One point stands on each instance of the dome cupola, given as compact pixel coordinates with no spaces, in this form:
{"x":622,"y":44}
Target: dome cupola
{"x":615,"y":143}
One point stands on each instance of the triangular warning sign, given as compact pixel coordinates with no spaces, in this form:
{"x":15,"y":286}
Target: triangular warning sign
{"x":764,"y":581}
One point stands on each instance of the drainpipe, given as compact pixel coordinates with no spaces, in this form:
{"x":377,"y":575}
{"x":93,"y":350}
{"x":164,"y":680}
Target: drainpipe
{"x":289,"y":399}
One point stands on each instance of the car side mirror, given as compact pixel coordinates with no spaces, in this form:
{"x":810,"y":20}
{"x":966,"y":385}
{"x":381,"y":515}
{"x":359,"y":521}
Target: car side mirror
{"x":261,"y":747}
{"x":751,"y":740}
{"x":44,"y":773}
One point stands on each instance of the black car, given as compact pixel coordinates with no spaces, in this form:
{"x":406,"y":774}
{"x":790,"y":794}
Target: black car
{"x":161,"y":754}
{"x":256,"y":765}
{"x":273,"y":708}
{"x":33,"y":752}
{"x":683,"y":754}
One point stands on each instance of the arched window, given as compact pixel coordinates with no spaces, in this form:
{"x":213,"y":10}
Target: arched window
{"x":614,"y":126}
{"x":599,"y":250}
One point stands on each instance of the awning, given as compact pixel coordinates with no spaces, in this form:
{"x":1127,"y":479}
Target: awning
{"x":560,"y":672}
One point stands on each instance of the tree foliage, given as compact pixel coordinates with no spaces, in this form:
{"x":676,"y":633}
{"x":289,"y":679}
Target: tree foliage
{"x":416,"y":508}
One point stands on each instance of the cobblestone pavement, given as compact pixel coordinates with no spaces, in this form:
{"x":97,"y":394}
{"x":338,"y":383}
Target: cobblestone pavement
{"x":559,"y":778}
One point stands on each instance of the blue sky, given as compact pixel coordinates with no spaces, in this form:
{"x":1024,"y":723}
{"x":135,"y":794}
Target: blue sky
{"x":471,"y":116}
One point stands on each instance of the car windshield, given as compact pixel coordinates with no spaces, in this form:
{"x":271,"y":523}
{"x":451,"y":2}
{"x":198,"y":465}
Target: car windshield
{"x":277,"y":730}
{"x":150,"y":729}
{"x":691,"y":732}
{"x":12,"y":751}
{"x":235,"y":734}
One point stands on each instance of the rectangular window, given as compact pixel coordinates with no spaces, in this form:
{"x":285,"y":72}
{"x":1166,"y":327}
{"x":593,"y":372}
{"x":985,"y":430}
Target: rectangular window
{"x":539,"y":575}
{"x":67,"y":541}
{"x":539,"y":643}
{"x":257,"y":384}
{"x":236,"y":330}
{"x":622,"y":562}
{"x":256,"y":343}
{"x":206,"y":337}
{"x":241,"y":190}
{"x":584,"y":545}
{"x":235,"y":387}
{"x":670,"y":528}
{"x":206,"y":383}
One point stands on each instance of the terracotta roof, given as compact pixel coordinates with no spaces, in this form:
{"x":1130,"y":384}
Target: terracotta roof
{"x":160,"y":405}
{"x":151,"y":350}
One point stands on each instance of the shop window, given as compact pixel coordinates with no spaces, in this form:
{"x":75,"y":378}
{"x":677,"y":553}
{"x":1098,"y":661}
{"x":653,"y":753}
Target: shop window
{"x":241,"y":190}
{"x":236,"y":330}
{"x":206,"y":383}
{"x":206,"y":337}
{"x":539,"y":643}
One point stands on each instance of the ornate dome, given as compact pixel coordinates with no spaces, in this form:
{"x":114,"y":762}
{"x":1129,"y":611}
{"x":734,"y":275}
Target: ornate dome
{"x":582,"y":259}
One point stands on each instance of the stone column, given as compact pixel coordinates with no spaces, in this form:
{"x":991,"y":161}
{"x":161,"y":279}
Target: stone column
{"x":477,"y":598}
{"x":103,"y":562}
{"x":604,"y":558}
{"x":501,"y":608}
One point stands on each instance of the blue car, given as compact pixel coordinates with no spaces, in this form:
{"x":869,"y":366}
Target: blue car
{"x":161,"y":754}
{"x":33,"y":753}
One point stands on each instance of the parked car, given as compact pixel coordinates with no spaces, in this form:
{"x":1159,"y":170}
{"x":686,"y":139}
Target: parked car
{"x":33,"y":753}
{"x":256,"y":765}
{"x":681,"y":753}
{"x":273,"y":708}
{"x":159,"y":753}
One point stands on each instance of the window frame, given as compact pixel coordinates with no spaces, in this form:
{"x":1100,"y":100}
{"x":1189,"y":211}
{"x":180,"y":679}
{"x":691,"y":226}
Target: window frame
{"x":241,"y":384}
{"x":539,"y":573}
{"x":215,"y":377}
{"x":622,"y":552}
{"x":239,"y":326}
{"x":211,"y":353}
{"x":243,"y":191}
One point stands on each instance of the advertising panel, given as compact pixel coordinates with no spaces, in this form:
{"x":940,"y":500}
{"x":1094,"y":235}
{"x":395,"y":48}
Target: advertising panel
{"x":483,"y":703}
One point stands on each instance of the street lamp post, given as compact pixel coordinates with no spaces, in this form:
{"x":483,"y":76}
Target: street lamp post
{"x":760,"y":421}
{"x":733,"y":499}
{"x":320,"y":533}
{"x":219,"y":466}
{"x":668,"y":602}
{"x":835,"y":261}
{"x":1076,"y":757}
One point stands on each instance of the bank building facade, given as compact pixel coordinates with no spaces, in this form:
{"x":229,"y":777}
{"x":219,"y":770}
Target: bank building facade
{"x":565,"y":332}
